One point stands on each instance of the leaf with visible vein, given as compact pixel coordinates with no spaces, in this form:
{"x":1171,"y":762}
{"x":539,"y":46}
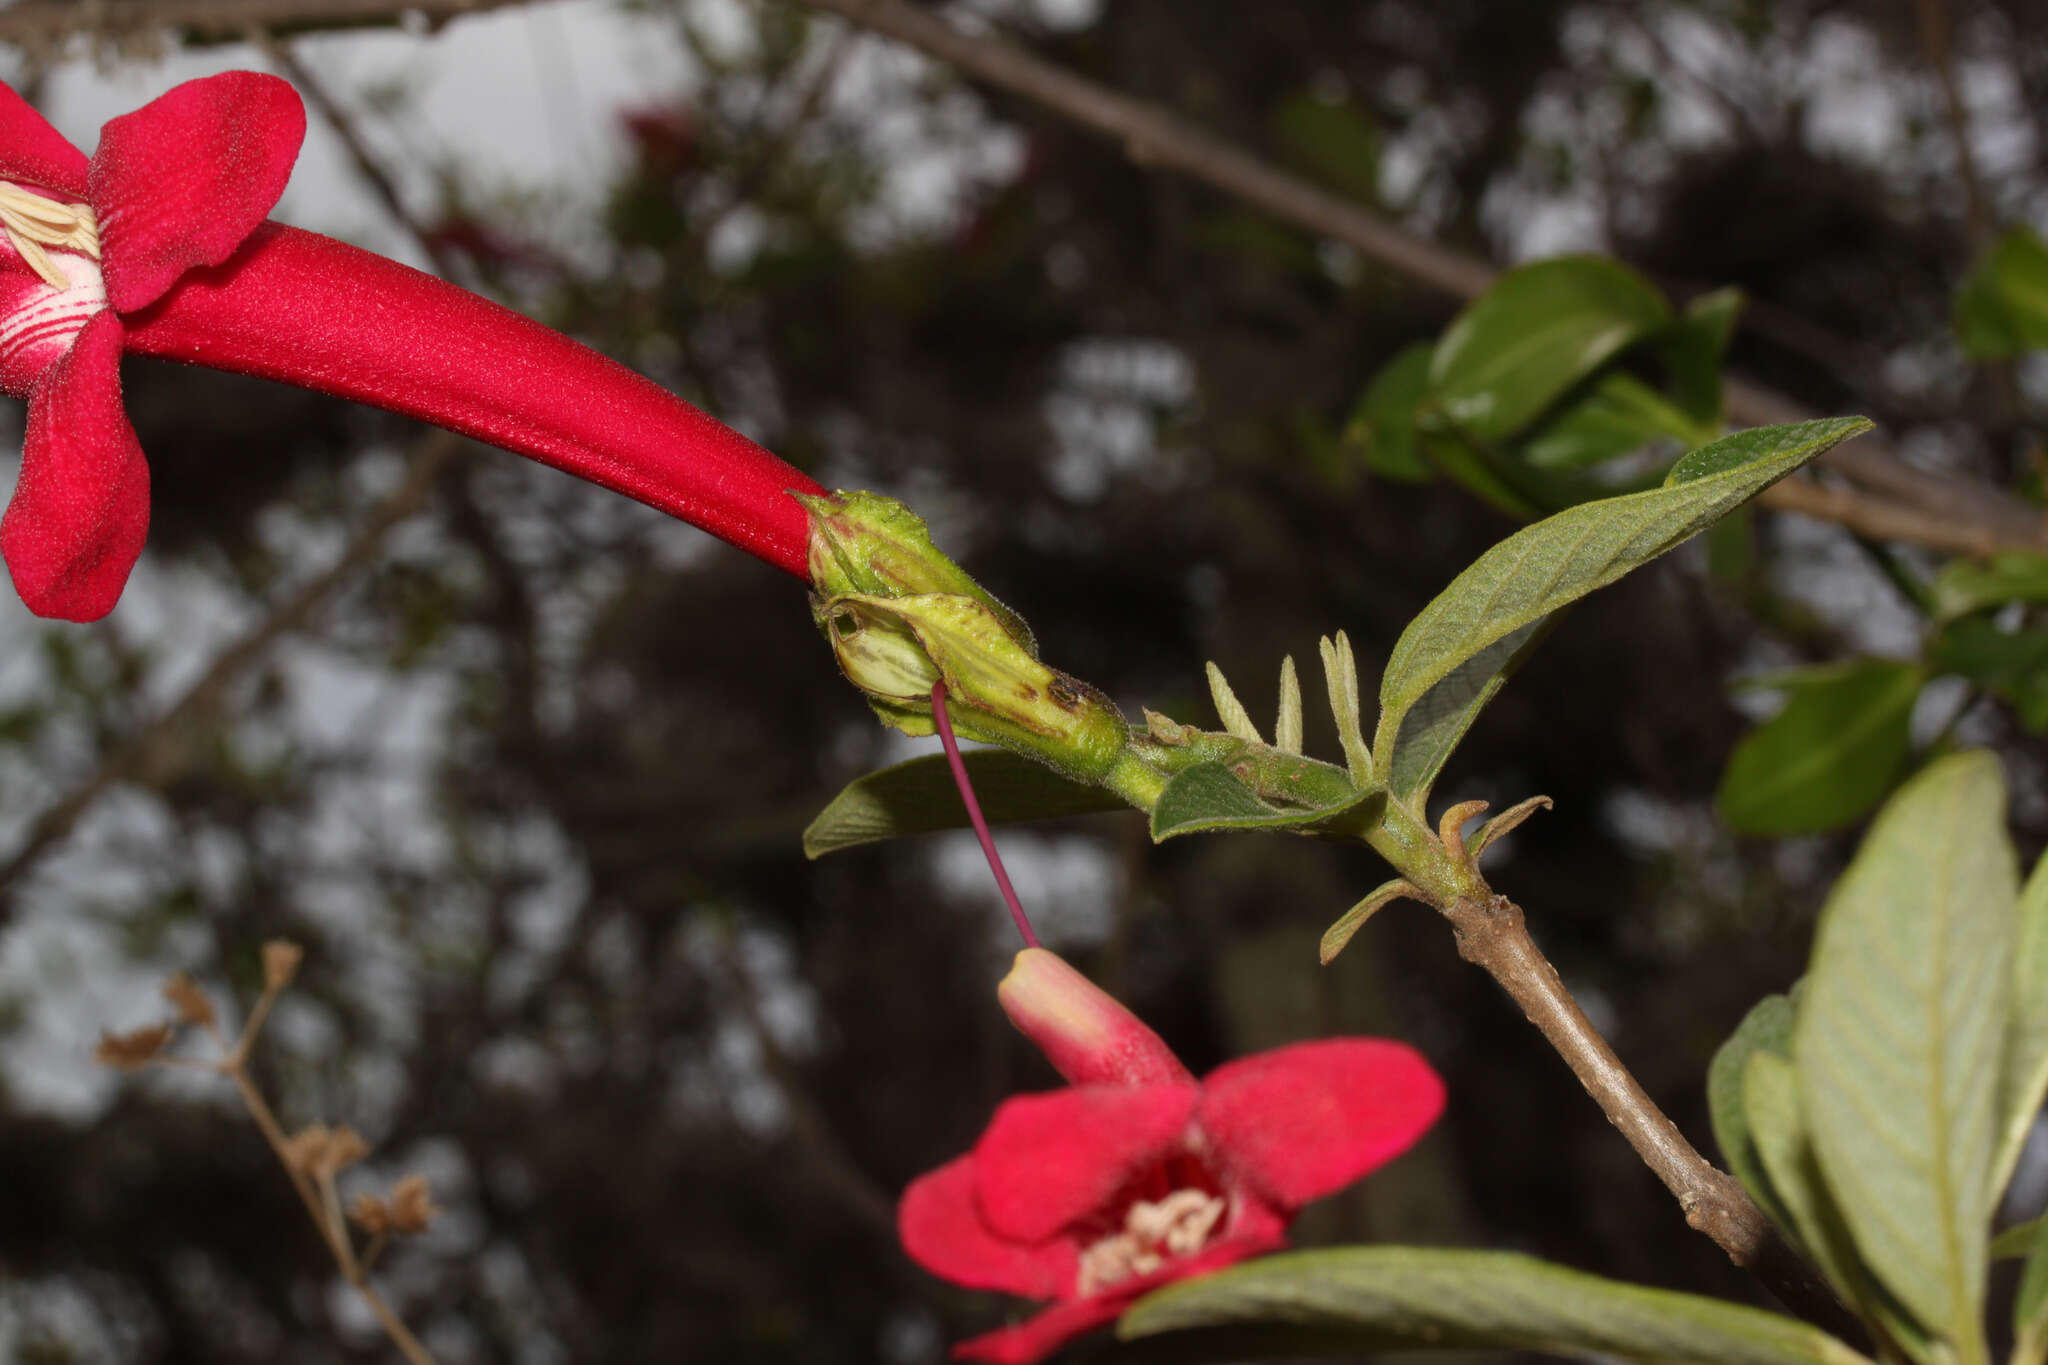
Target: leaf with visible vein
{"x":1901,"y":1036}
{"x":1383,"y":1297}
{"x":2024,"y":1077}
{"x":1476,"y":632}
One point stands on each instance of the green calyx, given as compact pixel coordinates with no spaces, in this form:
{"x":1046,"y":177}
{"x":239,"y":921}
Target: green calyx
{"x":901,"y":617}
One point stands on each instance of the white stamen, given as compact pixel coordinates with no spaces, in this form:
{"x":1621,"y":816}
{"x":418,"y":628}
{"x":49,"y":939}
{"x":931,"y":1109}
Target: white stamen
{"x":1178,"y":1225}
{"x":32,"y":222}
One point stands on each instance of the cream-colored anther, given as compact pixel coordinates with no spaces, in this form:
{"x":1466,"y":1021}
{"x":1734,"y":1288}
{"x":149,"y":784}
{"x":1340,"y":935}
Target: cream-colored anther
{"x":33,"y":221}
{"x":1152,"y":1234}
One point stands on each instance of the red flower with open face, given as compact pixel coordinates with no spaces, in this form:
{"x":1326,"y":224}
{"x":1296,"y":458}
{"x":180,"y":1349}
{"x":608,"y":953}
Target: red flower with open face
{"x":158,"y":245}
{"x":1137,"y":1174}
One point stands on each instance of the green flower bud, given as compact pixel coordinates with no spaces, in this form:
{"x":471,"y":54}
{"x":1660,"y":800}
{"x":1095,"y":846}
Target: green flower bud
{"x":894,"y":649}
{"x":871,"y":544}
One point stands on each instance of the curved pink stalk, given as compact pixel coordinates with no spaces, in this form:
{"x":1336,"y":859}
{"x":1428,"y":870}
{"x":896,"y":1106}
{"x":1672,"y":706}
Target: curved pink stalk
{"x":309,"y":310}
{"x":974,"y":815}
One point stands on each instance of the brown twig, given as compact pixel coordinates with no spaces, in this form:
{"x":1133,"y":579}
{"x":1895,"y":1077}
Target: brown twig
{"x":41,"y":22}
{"x":1973,"y":514}
{"x":312,"y":1159}
{"x":1935,"y":41}
{"x":1493,"y":935}
{"x":161,"y":748}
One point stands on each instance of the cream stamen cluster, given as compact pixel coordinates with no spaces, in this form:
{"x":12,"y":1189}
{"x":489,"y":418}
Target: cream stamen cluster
{"x":33,"y":221}
{"x":1153,"y":1234}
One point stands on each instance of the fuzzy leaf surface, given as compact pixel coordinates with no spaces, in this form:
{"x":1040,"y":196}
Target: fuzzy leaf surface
{"x":1470,"y":638}
{"x":1901,"y":1036}
{"x":1383,"y":1297}
{"x":1208,"y":796}
{"x":919,"y":797}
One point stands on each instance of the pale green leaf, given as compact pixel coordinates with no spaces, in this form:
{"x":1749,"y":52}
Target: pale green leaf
{"x":2018,"y":1240}
{"x":1468,"y":640}
{"x":919,"y":797}
{"x":1766,"y":1028}
{"x":2023,"y":1080}
{"x":1236,"y":720}
{"x":1386,"y":1297}
{"x":1901,"y":1035}
{"x":2030,"y":1304}
{"x":1287,"y":727}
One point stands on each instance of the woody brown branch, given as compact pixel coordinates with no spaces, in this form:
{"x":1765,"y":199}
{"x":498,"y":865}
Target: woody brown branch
{"x":1493,"y":935}
{"x":1930,"y":509}
{"x":38,"y":23}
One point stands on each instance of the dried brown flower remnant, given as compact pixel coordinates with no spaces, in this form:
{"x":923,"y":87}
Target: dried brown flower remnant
{"x":370,"y":1213}
{"x":320,"y":1151}
{"x":189,"y":1001}
{"x":412,"y":1207}
{"x":280,"y":963}
{"x":132,"y":1050}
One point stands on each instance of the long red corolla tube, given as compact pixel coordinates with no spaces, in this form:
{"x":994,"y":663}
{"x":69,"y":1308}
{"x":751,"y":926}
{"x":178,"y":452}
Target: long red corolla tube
{"x":308,"y":310}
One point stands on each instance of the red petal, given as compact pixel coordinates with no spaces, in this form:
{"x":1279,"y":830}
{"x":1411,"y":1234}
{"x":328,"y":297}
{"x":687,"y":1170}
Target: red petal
{"x":34,"y":153}
{"x":1299,"y":1122}
{"x":308,"y":310}
{"x":1050,"y":1160}
{"x":81,"y":510}
{"x":184,"y":180}
{"x":1038,"y":1337}
{"x":941,"y":1227}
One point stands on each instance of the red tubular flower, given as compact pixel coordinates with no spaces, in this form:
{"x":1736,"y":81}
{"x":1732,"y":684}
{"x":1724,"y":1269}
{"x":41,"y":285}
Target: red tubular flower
{"x":158,"y":246}
{"x":1136,"y":1174}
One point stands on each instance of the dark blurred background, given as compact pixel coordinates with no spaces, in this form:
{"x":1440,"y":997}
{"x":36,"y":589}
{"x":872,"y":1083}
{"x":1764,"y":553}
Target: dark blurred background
{"x":530,"y":788}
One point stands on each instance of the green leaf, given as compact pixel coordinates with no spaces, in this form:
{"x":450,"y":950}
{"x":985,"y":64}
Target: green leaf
{"x":1618,"y":415}
{"x":1537,"y":332}
{"x":2001,"y":307}
{"x":1900,"y":1039}
{"x":2012,"y":665}
{"x":1454,"y":655}
{"x":2024,"y":1077}
{"x":919,"y":797}
{"x":1800,"y":1196}
{"x":2018,"y":1240}
{"x":1382,"y":426}
{"x":1694,"y":349}
{"x":1964,"y":585}
{"x":1210,"y":796}
{"x":1831,"y":755}
{"x":1384,"y":1297}
{"x":1336,"y":142}
{"x":1766,"y":1028}
{"x":2030,"y":1305}
{"x":1813,"y":1220}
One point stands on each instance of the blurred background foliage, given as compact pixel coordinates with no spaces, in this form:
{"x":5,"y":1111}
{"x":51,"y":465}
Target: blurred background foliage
{"x":530,"y":787}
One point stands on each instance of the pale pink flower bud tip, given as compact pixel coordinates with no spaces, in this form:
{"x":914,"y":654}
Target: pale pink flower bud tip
{"x":1083,"y":1031}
